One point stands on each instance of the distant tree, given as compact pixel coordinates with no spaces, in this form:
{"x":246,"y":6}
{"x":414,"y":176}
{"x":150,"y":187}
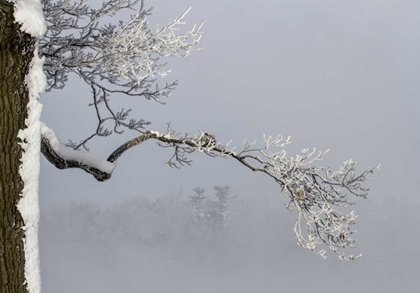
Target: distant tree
{"x":218,"y":214}
{"x":197,"y":201}
{"x":212,"y":212}
{"x":127,"y":58}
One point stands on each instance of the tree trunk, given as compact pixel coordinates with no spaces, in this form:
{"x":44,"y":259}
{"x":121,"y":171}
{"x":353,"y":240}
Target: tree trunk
{"x":16,"y":52}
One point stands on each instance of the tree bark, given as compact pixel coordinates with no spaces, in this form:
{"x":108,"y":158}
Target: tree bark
{"x":16,"y":53}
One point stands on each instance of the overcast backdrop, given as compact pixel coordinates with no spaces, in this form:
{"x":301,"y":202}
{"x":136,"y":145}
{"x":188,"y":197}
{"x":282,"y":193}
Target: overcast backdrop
{"x":338,"y":75}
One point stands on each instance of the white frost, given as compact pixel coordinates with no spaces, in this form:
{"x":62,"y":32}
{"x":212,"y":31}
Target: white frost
{"x":81,"y":156}
{"x":29,"y":13}
{"x":29,"y":171}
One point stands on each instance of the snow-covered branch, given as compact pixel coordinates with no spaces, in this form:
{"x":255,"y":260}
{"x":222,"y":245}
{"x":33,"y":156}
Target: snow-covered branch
{"x":318,"y":194}
{"x":64,"y":157}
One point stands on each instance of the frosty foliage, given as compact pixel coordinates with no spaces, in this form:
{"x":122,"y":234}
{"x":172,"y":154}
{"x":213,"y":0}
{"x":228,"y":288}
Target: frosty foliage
{"x":319,"y":194}
{"x":112,"y":58}
{"x":126,"y":54}
{"x":126,"y":58}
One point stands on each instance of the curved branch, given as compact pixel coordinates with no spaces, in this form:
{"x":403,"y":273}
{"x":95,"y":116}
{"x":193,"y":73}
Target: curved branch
{"x":190,"y":142}
{"x":61,"y":163}
{"x":314,"y":191}
{"x":64,"y":157}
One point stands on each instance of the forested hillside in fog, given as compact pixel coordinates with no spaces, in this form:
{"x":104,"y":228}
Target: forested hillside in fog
{"x":200,"y":242}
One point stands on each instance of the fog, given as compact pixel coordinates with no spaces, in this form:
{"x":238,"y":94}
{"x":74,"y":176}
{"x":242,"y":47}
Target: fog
{"x":338,"y":75}
{"x":140,"y":245}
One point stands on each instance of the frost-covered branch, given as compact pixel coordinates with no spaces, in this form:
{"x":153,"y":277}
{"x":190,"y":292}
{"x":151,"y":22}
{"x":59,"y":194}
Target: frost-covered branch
{"x":318,"y":194}
{"x":120,"y":120}
{"x":124,"y":57}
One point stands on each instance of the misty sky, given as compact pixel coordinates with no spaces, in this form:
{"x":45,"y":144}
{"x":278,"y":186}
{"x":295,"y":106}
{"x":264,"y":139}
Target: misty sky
{"x":338,"y":75}
{"x":333,"y":75}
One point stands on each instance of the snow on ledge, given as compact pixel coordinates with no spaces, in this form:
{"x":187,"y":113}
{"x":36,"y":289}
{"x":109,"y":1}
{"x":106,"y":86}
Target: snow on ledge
{"x":81,"y":156}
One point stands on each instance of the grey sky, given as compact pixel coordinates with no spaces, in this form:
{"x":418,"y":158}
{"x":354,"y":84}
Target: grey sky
{"x":331,"y":74}
{"x":338,"y":75}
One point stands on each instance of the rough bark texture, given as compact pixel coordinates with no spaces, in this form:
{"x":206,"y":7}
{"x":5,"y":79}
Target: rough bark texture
{"x":16,"y":52}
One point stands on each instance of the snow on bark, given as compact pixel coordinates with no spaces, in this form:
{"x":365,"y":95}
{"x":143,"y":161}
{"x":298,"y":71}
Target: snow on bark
{"x":29,"y":172}
{"x":29,"y":14}
{"x":81,"y":156}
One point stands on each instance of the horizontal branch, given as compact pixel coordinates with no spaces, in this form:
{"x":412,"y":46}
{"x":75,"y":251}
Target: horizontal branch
{"x":79,"y":157}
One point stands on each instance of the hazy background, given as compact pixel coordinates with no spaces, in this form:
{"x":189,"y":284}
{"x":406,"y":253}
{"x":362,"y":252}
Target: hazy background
{"x":335,"y":75}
